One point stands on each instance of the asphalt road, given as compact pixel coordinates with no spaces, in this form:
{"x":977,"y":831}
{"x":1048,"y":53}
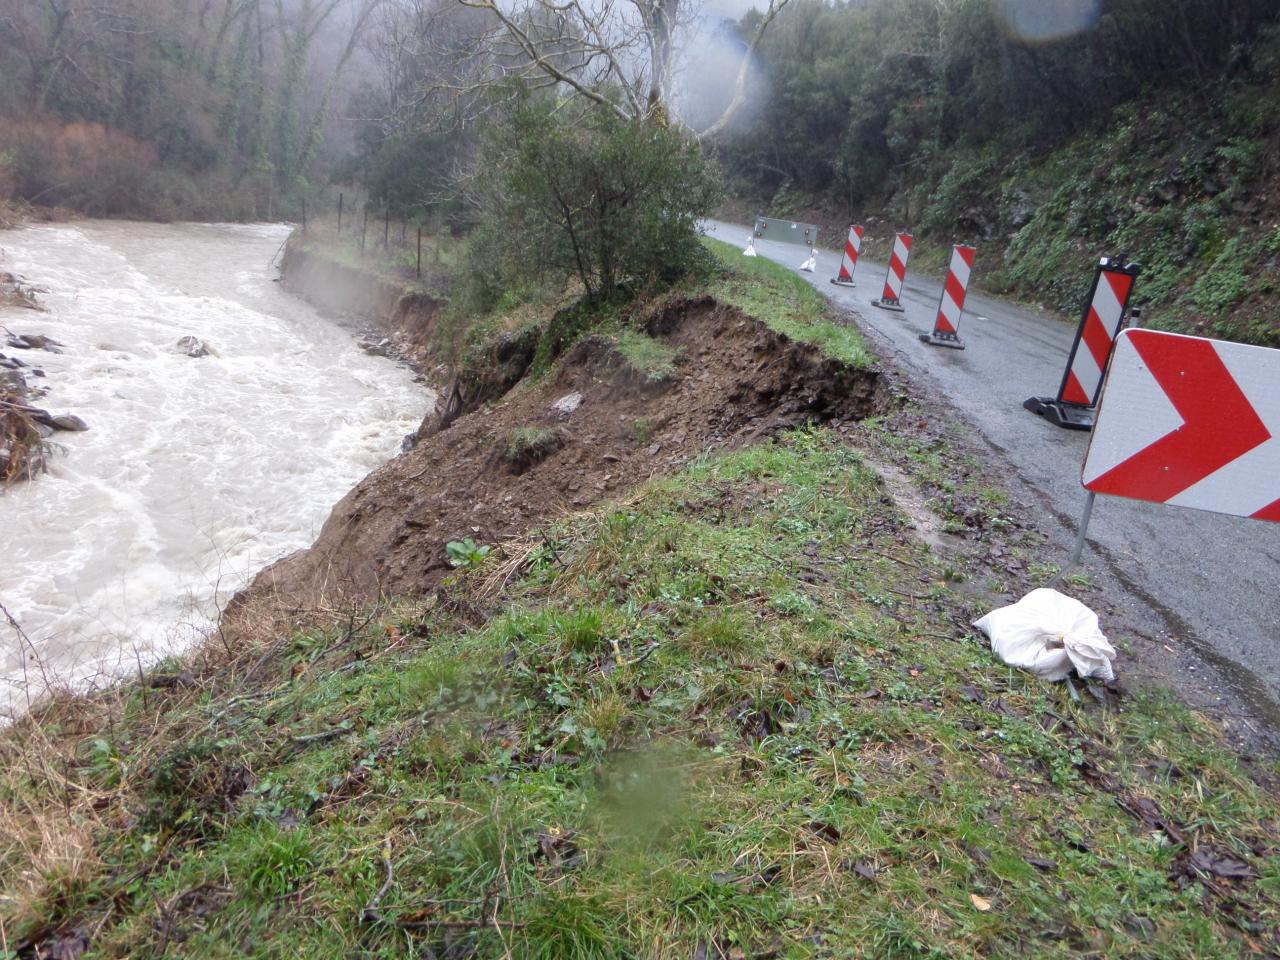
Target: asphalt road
{"x":1213,"y":580}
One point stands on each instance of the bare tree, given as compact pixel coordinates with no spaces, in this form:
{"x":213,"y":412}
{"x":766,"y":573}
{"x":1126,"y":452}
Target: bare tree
{"x":620,"y":54}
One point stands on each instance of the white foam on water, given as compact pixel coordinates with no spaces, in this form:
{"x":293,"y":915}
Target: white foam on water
{"x":195,"y":472}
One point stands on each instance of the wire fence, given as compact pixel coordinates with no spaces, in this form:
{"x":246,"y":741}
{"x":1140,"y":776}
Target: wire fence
{"x":374,"y":229}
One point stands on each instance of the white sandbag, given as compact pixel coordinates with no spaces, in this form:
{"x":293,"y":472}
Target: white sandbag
{"x":1048,"y":633}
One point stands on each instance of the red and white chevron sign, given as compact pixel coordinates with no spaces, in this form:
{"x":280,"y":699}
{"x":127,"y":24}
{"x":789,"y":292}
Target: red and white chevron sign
{"x":1189,"y":422}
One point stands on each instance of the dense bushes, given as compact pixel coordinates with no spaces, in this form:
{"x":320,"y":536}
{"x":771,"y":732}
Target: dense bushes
{"x":862,"y":101}
{"x":81,"y":165}
{"x":1147,"y":129}
{"x":569,"y":191}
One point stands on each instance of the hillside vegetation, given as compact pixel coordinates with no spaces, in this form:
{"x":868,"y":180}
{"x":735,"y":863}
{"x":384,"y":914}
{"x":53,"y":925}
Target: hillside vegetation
{"x":165,"y":109}
{"x":1151,"y":130}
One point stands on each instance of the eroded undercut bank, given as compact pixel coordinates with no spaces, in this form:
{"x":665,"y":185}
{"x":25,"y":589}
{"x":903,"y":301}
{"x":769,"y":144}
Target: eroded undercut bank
{"x":617,"y":409}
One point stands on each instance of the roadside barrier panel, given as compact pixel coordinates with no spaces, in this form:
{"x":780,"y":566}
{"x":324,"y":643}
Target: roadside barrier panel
{"x":891,"y":298}
{"x":1104,"y":318}
{"x":786,"y":231}
{"x":946,"y":326}
{"x":1189,"y":422}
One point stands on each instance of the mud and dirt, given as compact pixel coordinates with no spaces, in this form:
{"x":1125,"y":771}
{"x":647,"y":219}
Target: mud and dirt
{"x":735,"y":382}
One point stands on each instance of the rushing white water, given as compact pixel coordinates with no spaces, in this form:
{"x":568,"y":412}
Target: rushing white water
{"x":194,"y":473}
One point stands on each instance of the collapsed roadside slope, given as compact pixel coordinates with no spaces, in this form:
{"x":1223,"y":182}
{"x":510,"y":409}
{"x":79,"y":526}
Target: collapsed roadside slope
{"x":617,"y":410}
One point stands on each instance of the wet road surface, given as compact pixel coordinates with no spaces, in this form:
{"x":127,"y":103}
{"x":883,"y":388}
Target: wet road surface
{"x":1214,"y":580}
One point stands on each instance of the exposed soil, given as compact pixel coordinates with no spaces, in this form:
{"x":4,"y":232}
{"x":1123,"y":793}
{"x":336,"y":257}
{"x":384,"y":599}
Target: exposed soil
{"x":412,"y":326}
{"x":736,"y":382}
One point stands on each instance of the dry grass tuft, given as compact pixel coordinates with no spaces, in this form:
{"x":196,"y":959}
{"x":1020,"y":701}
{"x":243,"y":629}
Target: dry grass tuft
{"x":22,"y":447}
{"x":47,"y":825}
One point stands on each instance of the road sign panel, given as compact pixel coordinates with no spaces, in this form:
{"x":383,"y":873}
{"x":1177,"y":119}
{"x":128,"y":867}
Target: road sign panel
{"x":1189,"y":422}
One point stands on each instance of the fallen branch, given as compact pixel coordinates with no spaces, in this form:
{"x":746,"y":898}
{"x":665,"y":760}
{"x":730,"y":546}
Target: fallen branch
{"x":372,"y":911}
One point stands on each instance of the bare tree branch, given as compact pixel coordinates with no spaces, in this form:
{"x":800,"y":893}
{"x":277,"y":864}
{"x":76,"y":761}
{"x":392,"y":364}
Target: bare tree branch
{"x":740,"y":84}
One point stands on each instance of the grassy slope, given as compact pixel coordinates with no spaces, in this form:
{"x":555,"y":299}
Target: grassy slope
{"x":395,"y":263}
{"x":785,"y":302}
{"x":737,"y":714}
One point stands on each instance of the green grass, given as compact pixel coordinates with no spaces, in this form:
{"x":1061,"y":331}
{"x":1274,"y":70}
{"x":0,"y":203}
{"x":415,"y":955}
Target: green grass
{"x":652,"y":358}
{"x":396,"y":262}
{"x":740,"y":713}
{"x":786,"y":302}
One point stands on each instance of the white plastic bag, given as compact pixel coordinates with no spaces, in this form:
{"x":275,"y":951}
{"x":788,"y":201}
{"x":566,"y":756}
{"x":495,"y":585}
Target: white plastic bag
{"x":1049,"y":633}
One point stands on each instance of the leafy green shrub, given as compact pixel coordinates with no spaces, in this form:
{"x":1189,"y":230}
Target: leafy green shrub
{"x":466,"y":553}
{"x":1225,"y":282}
{"x":572,"y":191}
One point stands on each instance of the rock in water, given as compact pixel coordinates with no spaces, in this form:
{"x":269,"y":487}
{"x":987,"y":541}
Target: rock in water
{"x":376,"y":348}
{"x":194,"y":347}
{"x":34,"y":341}
{"x":60,"y":421}
{"x":68,"y":421}
{"x":12,"y":381}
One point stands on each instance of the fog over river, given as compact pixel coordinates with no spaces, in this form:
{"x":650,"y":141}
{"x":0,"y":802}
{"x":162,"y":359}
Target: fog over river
{"x":195,"y":472}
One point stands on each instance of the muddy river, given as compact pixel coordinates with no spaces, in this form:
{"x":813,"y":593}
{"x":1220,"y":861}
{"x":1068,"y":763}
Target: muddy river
{"x":195,"y":472}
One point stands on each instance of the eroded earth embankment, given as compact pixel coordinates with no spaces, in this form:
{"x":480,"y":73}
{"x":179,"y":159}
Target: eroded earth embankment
{"x":592,"y":429}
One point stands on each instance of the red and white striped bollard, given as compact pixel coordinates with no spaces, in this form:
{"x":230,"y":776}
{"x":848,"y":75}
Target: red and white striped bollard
{"x":891,"y":299}
{"x":946,"y":327}
{"x":1103,"y":319}
{"x":849,"y":262}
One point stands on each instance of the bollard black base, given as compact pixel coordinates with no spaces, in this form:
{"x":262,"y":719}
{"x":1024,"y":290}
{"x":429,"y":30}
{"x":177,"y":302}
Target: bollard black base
{"x":1069,"y":416}
{"x":843,"y":283}
{"x":938,"y":339}
{"x":888,"y":305}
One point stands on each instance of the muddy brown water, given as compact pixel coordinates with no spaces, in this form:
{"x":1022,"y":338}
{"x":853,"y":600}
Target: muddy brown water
{"x":195,"y":472}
